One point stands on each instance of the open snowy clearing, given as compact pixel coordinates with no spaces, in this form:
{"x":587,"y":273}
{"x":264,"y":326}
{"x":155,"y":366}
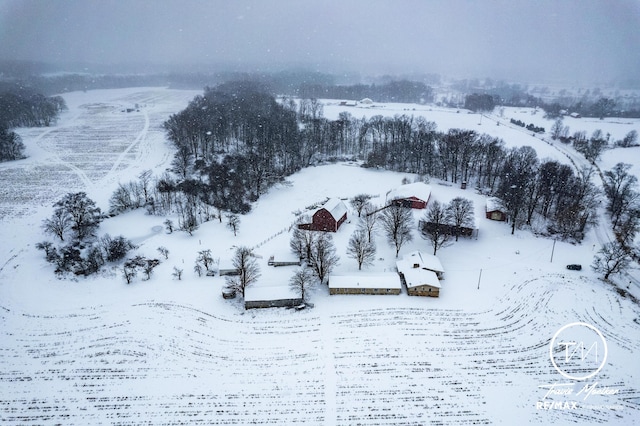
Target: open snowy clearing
{"x":98,"y":351}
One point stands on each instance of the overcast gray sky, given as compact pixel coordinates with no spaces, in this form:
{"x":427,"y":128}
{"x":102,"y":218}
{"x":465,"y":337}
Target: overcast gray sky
{"x":536,"y":39}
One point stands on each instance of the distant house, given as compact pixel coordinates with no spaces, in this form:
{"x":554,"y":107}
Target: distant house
{"x":366,"y":101}
{"x":420,"y":273}
{"x":413,"y":195}
{"x":348,"y":103}
{"x":495,"y":209}
{"x":388,"y":283}
{"x":575,"y":115}
{"x":271,"y":297}
{"x":328,"y":218}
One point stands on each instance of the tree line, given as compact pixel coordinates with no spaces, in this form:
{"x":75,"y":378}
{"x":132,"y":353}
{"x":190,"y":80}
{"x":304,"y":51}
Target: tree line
{"x":236,"y":141}
{"x":394,"y":91}
{"x":22,"y":108}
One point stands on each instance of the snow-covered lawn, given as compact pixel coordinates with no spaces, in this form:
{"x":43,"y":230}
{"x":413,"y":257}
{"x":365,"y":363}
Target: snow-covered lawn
{"x":163,"y":351}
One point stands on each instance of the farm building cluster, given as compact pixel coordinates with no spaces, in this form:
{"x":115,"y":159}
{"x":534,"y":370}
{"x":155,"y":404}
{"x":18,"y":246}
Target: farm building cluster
{"x":416,"y":274}
{"x":419,"y":273}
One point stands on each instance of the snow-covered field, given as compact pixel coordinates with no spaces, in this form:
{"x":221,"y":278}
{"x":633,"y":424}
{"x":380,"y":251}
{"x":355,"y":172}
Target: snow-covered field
{"x":162,"y":351}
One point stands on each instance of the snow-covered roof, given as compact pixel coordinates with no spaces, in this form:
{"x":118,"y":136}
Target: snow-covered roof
{"x":366,"y":101}
{"x":382,"y":280}
{"x":494,"y":203}
{"x":424,"y":260}
{"x":415,"y":277}
{"x":268,"y":293}
{"x":335,"y":207}
{"x":419,"y":190}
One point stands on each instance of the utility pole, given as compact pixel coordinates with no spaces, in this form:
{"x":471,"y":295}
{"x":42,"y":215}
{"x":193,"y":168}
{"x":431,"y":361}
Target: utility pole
{"x":479,"y":277}
{"x":553,"y":249}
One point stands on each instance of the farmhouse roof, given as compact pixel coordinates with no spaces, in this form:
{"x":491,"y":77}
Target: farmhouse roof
{"x":336,"y":208}
{"x":415,"y":277}
{"x":423,"y":260}
{"x":383,"y":280}
{"x":269,"y":293}
{"x":419,"y":190}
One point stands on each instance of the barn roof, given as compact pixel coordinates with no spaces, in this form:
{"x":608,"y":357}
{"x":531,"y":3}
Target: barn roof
{"x":494,"y":204}
{"x":425,"y":260}
{"x":373,"y":281}
{"x":419,"y":190}
{"x":336,"y":208}
{"x":269,"y":293}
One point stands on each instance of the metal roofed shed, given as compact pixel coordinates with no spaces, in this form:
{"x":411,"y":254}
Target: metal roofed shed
{"x":384,"y":283}
{"x":281,"y":296}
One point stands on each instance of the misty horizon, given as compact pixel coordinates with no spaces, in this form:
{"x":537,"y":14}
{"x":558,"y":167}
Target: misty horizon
{"x":570,"y":41}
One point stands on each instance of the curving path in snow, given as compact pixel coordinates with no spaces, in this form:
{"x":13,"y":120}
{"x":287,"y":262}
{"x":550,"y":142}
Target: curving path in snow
{"x":93,"y":146}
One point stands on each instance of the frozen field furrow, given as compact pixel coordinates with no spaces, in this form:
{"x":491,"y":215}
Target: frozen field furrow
{"x":392,"y":366}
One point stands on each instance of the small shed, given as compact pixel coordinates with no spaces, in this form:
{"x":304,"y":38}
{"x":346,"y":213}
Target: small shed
{"x":366,"y":101}
{"x":413,"y":195}
{"x":271,"y":297}
{"x":495,"y":209}
{"x":384,"y":283}
{"x":328,"y":218}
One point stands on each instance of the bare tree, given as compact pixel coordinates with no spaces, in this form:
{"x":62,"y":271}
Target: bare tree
{"x":169,"y":225}
{"x":630,"y":139}
{"x":460,"y":214}
{"x":164,"y":251}
{"x":145,"y":180}
{"x":359,"y":202}
{"x":612,"y":258}
{"x":177,"y":273}
{"x":369,"y":220}
{"x":396,"y":223}
{"x":197,"y":268}
{"x":83,"y":215}
{"x":301,"y":281}
{"x":59,"y":224}
{"x":182,"y":161}
{"x":233,"y":223}
{"x":205,"y":258}
{"x":129,"y":272}
{"x":619,"y":187}
{"x":189,"y":222}
{"x":323,"y":256}
{"x":558,"y":129}
{"x":361,"y":249}
{"x":245,"y":262}
{"x":148,"y":266}
{"x":130,"y":268}
{"x":435,"y":226}
{"x":49,"y":250}
{"x":302,"y":241}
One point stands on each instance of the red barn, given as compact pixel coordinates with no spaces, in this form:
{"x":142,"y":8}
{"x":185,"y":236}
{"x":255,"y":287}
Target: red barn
{"x":413,"y":195}
{"x":328,"y":218}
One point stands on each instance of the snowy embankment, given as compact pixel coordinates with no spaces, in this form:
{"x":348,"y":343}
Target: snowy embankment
{"x":97,"y":351}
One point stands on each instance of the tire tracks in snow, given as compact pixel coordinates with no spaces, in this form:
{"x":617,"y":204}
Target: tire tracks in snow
{"x":141,"y":139}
